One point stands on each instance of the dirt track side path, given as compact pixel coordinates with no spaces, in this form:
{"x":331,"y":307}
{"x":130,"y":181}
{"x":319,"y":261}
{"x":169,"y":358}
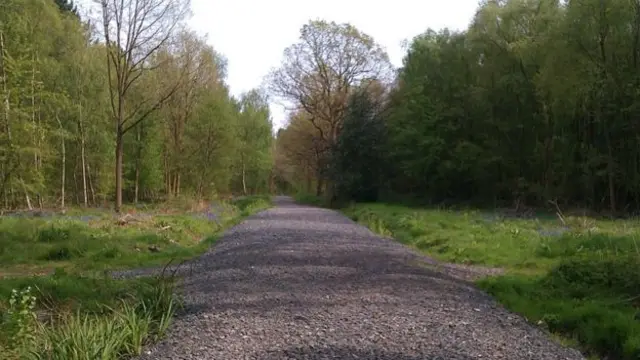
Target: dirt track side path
{"x":298,"y":282}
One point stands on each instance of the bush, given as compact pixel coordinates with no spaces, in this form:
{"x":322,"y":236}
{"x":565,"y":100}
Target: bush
{"x":589,"y":299}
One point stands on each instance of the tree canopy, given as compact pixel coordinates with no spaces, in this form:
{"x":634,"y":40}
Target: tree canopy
{"x":533,"y":102}
{"x":163,"y":93}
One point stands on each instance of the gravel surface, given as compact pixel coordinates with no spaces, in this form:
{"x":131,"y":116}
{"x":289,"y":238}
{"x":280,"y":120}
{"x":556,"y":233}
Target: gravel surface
{"x":298,"y":282}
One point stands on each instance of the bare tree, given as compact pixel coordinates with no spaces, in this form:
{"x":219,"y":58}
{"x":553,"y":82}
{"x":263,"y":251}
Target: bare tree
{"x":134,"y":30}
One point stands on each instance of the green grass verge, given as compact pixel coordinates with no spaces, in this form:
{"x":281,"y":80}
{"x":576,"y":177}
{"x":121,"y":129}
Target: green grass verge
{"x":579,"y":280}
{"x":309,"y":199}
{"x":75,"y":311}
{"x":97,"y":240}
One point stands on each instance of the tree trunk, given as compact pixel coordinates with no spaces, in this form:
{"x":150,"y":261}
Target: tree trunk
{"x":33,"y":114}
{"x":26,"y":195}
{"x":319,"y":185}
{"x":64,"y":163}
{"x":93,"y":192}
{"x":137,"y":184}
{"x":167,"y":172}
{"x":138,"y":155}
{"x":83,"y":160}
{"x":119,"y":155}
{"x":36,"y":128}
{"x":244,"y":179}
{"x":6,"y":166}
{"x":76,"y":191}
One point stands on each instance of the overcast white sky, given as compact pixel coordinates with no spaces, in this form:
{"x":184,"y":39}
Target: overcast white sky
{"x":252,"y":34}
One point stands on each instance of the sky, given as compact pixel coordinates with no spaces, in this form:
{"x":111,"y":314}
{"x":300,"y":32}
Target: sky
{"x":252,"y":34}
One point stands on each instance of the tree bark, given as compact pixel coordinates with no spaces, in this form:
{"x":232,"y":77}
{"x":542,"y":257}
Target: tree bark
{"x":6,"y":170}
{"x":83,"y":159}
{"x":93,"y":192}
{"x":119,"y":155}
{"x":167,"y":172}
{"x":244,"y":179}
{"x":64,"y":163}
{"x":138,"y":155}
{"x":319,"y":185}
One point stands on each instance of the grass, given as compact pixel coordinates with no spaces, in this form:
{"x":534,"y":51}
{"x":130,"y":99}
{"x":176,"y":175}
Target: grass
{"x":57,"y":302}
{"x":60,"y":317}
{"x":309,"y":199}
{"x":99,"y":240}
{"x":579,"y":279}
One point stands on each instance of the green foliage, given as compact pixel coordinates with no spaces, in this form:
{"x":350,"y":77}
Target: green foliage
{"x":248,"y":205}
{"x":531,"y":103}
{"x":253,"y":133}
{"x":19,"y":320}
{"x":136,"y":318}
{"x":592,"y":300}
{"x":357,"y":157}
{"x":57,"y":120}
{"x":67,"y":6}
{"x":310,"y":199}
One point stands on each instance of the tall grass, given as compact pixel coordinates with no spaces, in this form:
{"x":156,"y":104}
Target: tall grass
{"x":111,"y":333}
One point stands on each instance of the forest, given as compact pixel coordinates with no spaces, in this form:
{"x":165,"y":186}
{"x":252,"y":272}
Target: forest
{"x":533,"y":103}
{"x":147,"y":118}
{"x":513,"y":145}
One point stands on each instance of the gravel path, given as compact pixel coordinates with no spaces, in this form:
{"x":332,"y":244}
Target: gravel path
{"x":297,"y":282}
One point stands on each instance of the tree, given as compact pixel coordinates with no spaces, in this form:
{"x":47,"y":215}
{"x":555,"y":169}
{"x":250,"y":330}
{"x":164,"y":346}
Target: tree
{"x":319,"y":72}
{"x":134,"y":31}
{"x":255,"y":138}
{"x":211,"y":145}
{"x":357,"y":158}
{"x":67,"y":6}
{"x":57,"y":102}
{"x":298,"y":153}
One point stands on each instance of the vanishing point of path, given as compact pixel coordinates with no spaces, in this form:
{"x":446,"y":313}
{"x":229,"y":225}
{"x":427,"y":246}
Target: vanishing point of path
{"x":298,"y":282}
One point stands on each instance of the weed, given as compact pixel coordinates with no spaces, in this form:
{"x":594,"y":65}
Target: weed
{"x":19,"y":321}
{"x":112,"y":332}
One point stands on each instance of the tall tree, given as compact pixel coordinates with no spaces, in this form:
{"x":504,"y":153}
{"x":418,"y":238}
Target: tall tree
{"x":318,"y":74}
{"x":255,"y":139}
{"x":135,"y":30}
{"x":358,"y":156}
